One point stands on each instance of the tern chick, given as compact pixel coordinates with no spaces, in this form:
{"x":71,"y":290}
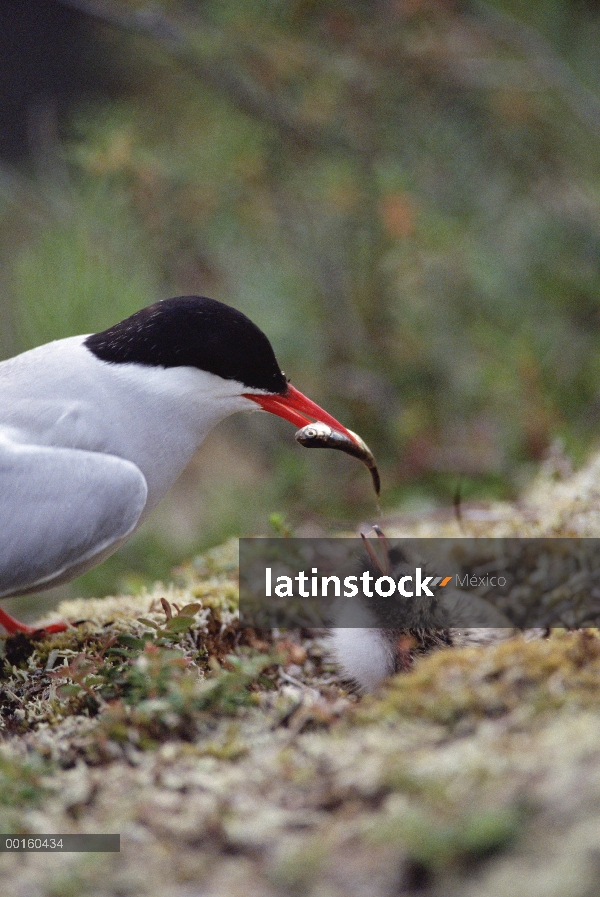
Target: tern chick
{"x":367,"y":643}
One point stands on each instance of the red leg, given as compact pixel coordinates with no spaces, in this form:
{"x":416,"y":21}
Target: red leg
{"x":11,"y":625}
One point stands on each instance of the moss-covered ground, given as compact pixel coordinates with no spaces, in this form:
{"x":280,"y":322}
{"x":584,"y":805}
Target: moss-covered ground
{"x":236,"y":762}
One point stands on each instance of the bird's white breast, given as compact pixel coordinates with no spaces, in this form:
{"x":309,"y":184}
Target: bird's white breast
{"x":60,"y":394}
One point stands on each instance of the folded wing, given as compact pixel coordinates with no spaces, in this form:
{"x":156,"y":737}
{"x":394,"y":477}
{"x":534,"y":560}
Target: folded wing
{"x":59,"y":509}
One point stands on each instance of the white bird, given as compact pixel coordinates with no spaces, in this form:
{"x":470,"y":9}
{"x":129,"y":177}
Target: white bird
{"x":95,"y":429}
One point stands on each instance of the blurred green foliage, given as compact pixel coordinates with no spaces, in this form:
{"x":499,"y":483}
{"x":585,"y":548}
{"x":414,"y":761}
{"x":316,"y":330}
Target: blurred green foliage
{"x":403,"y":194}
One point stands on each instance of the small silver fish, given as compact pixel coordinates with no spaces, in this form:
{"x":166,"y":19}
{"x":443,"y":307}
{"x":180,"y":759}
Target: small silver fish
{"x":320,"y":435}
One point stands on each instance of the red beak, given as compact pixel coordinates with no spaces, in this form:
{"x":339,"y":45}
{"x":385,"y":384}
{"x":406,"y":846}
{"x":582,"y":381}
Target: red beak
{"x":292,"y":405}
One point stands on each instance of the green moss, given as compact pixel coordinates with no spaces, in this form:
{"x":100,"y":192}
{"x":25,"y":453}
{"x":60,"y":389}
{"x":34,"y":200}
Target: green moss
{"x":165,"y":699}
{"x":151,"y":666}
{"x":477,"y":683}
{"x":22,"y":780}
{"x":436,"y":840}
{"x":299,"y":867}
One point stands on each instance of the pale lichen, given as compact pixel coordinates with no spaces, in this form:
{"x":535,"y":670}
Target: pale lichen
{"x":475,"y":770}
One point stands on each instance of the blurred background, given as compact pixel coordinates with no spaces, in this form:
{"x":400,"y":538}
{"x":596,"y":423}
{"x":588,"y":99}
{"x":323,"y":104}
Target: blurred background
{"x":404,"y":194}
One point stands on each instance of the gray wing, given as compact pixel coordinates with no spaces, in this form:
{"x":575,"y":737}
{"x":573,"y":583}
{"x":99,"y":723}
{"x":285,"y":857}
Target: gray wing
{"x":59,"y":509}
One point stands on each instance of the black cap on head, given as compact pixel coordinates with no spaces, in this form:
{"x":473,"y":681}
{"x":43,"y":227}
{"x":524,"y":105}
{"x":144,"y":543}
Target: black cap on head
{"x":196,"y":332}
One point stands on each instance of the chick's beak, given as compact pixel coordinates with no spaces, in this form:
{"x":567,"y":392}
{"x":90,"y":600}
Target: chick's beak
{"x":294,"y":406}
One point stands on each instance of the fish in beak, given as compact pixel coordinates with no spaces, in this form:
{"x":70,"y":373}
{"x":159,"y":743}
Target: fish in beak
{"x":318,"y":429}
